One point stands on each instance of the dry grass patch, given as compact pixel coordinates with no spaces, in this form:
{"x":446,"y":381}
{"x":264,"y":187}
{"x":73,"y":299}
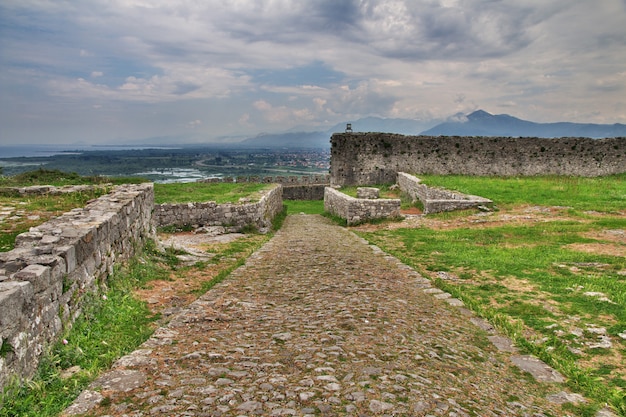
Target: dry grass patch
{"x":599,"y":248}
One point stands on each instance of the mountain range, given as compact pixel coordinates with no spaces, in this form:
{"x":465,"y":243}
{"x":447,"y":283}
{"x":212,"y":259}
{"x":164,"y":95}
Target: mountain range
{"x":481,"y":123}
{"x":321,"y":138}
{"x":478,"y":123}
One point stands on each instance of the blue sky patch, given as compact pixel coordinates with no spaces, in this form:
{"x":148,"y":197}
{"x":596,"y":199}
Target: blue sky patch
{"x":316,"y":73}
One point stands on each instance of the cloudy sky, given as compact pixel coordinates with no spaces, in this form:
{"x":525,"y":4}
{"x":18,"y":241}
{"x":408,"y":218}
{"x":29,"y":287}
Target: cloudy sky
{"x":102,"y":71}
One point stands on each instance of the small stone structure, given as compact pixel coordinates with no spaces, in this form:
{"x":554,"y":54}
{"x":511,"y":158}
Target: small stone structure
{"x":234,"y":217}
{"x":436,"y":200}
{"x":359,"y":210}
{"x":45,"y":278}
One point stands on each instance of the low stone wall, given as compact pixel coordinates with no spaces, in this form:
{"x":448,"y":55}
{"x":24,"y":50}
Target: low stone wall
{"x":359,"y":210}
{"x":277,"y":179}
{"x":436,"y":200}
{"x":306,"y":187}
{"x":234,"y":217}
{"x":44,"y":279}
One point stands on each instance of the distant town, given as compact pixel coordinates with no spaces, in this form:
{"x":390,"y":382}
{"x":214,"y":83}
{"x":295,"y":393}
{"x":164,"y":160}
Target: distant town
{"x":182,"y":164}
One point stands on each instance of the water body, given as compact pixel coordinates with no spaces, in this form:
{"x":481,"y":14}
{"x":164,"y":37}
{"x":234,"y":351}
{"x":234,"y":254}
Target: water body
{"x":171,"y":175}
{"x":15,"y":151}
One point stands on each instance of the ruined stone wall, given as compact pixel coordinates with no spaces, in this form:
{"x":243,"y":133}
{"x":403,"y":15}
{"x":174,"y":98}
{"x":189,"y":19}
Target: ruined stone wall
{"x":436,"y":200}
{"x":359,"y":210}
{"x":278,"y":179}
{"x":306,"y":187}
{"x":303,"y":192}
{"x":375,"y":158}
{"x":44,"y":279}
{"x":234,"y":217}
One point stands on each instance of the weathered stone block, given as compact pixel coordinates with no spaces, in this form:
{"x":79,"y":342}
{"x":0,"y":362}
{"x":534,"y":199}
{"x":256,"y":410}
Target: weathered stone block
{"x":367,"y":192}
{"x":15,"y":297}
{"x":37,"y":275}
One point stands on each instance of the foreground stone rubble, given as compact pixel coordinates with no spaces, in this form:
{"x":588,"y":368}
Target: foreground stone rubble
{"x":319,"y":323}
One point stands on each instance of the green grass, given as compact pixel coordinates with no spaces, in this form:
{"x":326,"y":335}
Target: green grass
{"x":530,"y":279}
{"x":43,"y":207}
{"x":201,"y":192}
{"x":108,"y":328}
{"x":59,"y":178}
{"x":604,"y":194}
{"x":304,"y":206}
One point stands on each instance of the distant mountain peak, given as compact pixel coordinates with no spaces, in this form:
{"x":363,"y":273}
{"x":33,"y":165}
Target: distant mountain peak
{"x":479,"y":114}
{"x":482,"y":123}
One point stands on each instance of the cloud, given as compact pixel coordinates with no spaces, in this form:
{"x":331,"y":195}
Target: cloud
{"x":194,"y":124}
{"x":250,"y":64}
{"x":282,"y":114}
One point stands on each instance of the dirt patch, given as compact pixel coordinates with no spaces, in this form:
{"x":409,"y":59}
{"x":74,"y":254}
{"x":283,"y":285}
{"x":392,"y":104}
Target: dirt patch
{"x":612,"y":358}
{"x":520,"y":215}
{"x":197,"y":242}
{"x":599,"y":248}
{"x":167,"y":296}
{"x":518,"y":285}
{"x":411,"y":211}
{"x":610,"y":235}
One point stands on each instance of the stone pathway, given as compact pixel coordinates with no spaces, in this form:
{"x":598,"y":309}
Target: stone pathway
{"x":319,"y":323}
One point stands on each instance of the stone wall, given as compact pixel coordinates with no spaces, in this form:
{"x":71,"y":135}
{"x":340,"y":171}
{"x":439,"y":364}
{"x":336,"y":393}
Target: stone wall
{"x":375,"y":158}
{"x":278,"y":179}
{"x":44,"y":279}
{"x":304,"y":192}
{"x":306,"y":187}
{"x":359,"y":210}
{"x":436,"y":200}
{"x":234,"y":217}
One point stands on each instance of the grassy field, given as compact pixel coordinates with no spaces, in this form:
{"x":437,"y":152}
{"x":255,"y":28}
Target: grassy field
{"x":59,"y":178}
{"x":304,"y":206}
{"x":548,"y":268}
{"x":603,"y":194}
{"x":19,"y":214}
{"x":199,"y":192}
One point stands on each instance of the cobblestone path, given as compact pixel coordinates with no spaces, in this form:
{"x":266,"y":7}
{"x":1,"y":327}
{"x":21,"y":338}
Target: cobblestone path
{"x":319,"y":323}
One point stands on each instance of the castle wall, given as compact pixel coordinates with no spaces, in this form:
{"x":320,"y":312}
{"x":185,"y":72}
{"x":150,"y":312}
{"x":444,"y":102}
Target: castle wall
{"x":45,"y":278}
{"x":234,"y":217}
{"x":359,"y":210}
{"x":375,"y":158}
